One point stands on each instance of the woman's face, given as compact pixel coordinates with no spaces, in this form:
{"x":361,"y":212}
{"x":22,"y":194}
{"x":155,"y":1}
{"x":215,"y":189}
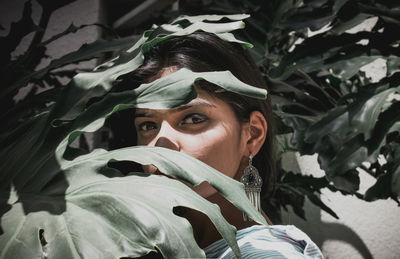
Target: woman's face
{"x":205,"y":128}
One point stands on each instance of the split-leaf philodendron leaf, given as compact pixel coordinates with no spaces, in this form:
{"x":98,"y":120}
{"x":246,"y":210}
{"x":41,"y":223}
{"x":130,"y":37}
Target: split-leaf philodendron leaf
{"x":56,"y":207}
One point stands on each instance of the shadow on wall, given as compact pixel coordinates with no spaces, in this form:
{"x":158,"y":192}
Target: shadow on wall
{"x":337,"y":231}
{"x":318,"y":230}
{"x":321,"y":232}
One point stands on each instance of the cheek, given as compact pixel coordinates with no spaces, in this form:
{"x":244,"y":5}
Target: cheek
{"x":218,"y":147}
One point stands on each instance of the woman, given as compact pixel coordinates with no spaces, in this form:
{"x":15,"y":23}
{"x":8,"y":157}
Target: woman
{"x":220,"y":128}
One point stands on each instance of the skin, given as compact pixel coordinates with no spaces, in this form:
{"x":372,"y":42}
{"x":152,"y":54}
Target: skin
{"x":206,"y":128}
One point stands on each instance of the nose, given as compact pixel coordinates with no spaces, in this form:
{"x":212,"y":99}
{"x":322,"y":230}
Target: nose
{"x":167,"y":137}
{"x":167,"y":143}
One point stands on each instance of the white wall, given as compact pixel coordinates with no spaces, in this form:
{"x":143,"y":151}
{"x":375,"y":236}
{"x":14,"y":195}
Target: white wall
{"x":363,"y":230}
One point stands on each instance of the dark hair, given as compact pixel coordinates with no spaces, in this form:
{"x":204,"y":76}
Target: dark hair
{"x":202,"y":52}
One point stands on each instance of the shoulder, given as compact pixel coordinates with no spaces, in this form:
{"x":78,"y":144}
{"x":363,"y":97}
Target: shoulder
{"x":262,"y":241}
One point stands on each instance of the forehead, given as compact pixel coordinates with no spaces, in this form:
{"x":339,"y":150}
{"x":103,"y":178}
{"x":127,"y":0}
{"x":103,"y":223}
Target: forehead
{"x":203,"y":99}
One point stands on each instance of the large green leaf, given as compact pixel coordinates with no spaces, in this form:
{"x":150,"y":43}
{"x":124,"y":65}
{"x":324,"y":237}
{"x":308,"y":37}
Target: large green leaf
{"x":128,"y":215}
{"x":359,"y":117}
{"x":209,"y":17}
{"x":216,"y":28}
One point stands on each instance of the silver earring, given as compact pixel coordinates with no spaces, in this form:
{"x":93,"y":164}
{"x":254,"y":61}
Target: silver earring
{"x":252,"y":186}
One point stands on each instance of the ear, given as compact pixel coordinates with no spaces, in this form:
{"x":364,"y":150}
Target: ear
{"x":257,"y":132}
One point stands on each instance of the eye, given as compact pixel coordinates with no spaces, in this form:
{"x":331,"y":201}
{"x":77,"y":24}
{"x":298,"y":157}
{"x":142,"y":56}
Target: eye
{"x":146,"y":126}
{"x":194,"y":118}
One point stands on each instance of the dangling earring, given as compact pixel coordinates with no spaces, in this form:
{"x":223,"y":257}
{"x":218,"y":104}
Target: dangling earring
{"x":252,"y":186}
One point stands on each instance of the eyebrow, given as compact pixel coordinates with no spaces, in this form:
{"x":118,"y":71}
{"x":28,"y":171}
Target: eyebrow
{"x":195,"y":103}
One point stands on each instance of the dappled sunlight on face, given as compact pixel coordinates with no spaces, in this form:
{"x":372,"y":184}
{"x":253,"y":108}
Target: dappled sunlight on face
{"x":205,"y":128}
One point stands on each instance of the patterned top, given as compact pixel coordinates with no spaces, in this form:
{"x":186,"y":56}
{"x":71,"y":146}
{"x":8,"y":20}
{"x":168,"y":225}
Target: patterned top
{"x":259,"y":242}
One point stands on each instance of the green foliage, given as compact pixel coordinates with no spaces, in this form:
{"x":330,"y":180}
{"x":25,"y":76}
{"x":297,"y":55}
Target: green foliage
{"x":89,"y":206}
{"x":319,"y":93}
{"x":59,"y":201}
